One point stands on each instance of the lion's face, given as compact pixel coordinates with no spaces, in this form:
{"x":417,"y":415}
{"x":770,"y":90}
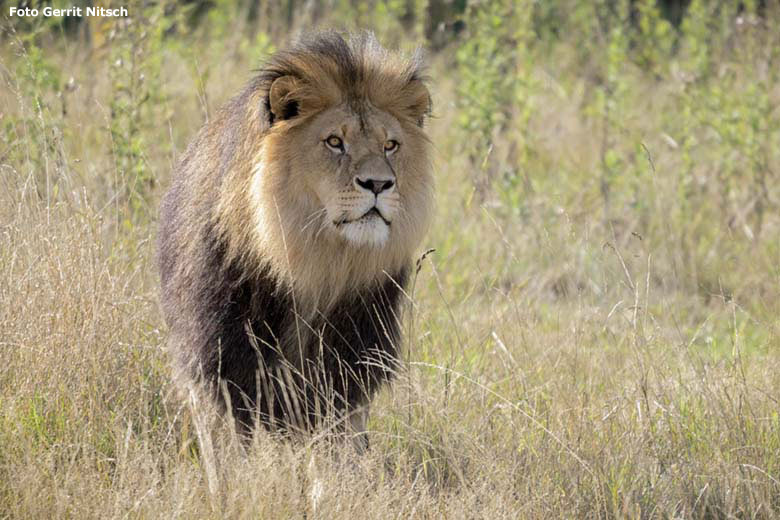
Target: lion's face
{"x":355,"y":176}
{"x":356,"y":169}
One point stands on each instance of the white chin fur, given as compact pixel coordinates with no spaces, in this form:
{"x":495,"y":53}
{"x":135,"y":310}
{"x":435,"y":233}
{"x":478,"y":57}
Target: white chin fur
{"x":371,"y":231}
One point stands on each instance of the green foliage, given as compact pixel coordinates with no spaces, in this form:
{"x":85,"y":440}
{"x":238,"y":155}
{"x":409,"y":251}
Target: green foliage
{"x":687,"y":112}
{"x":396,"y":22}
{"x":654,"y":38}
{"x":138,"y":97}
{"x":495,"y":85}
{"x":33,"y":134}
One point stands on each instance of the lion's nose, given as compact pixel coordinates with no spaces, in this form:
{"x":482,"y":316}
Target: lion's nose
{"x":375,"y":185}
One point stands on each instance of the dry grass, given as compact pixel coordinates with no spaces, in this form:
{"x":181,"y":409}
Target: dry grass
{"x":559,"y":364}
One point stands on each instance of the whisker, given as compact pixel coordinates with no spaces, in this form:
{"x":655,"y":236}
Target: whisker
{"x":323,"y":225}
{"x":313,"y":217}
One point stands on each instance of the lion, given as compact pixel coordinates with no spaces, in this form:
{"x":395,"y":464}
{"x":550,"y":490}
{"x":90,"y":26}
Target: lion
{"x":286,"y":236}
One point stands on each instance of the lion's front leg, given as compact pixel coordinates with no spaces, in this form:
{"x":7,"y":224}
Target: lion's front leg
{"x":356,"y":424}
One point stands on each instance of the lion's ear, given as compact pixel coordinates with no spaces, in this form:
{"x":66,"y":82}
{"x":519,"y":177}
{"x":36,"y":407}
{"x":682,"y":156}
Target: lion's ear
{"x":283,"y":98}
{"x":418,"y":104}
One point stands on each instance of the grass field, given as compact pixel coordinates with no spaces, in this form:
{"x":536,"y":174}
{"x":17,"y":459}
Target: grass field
{"x":597,"y":333}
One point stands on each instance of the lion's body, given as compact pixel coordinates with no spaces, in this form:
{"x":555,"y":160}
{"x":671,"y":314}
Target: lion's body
{"x":283,"y":259}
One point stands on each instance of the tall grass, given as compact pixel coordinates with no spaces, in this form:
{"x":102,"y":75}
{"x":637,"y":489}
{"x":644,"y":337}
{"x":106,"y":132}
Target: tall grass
{"x":595,"y":335}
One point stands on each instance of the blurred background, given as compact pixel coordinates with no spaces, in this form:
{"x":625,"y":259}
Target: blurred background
{"x":596,"y":332}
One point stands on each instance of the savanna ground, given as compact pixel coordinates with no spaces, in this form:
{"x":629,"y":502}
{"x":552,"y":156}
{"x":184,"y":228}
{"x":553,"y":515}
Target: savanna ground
{"x":597,"y":333}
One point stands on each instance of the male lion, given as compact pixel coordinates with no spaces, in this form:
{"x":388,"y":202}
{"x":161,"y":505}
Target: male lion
{"x":287,"y":235}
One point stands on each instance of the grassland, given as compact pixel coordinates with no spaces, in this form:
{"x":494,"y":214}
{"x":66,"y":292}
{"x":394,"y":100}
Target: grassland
{"x":597,"y":333}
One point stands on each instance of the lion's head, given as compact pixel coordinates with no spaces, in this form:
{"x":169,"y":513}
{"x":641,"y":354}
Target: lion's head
{"x":340,"y":187}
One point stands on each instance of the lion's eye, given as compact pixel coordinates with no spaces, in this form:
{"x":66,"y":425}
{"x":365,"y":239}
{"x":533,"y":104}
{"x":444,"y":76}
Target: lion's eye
{"x":391,"y":146}
{"x":335,"y":143}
